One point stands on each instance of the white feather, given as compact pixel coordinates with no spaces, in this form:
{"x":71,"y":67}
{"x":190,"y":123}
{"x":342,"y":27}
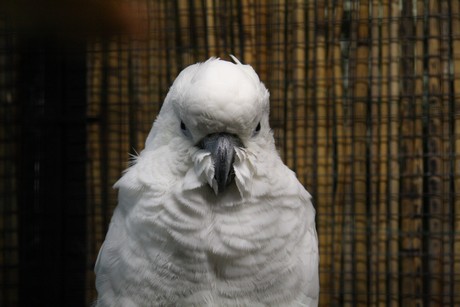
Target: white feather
{"x":173,"y":240}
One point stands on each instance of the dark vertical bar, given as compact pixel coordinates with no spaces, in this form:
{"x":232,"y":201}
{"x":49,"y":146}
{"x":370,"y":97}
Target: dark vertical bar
{"x":133,"y":106}
{"x":51,"y":162}
{"x":104,"y":137}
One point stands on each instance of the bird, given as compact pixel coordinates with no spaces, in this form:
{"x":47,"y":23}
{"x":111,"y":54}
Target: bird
{"x":208,"y":214}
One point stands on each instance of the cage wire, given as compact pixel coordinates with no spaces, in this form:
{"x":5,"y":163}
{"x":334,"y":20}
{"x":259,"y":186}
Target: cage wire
{"x":365,"y":108}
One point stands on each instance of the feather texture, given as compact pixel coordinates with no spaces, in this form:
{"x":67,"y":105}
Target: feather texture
{"x":174,"y":241}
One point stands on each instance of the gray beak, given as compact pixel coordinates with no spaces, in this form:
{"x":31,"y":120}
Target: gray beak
{"x":222,"y":149}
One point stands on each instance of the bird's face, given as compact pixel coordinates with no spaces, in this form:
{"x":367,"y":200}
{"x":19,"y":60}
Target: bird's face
{"x":219,"y":107}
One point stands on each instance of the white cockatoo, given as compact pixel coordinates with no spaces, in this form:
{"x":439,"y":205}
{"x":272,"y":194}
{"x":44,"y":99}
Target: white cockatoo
{"x":208,"y":214}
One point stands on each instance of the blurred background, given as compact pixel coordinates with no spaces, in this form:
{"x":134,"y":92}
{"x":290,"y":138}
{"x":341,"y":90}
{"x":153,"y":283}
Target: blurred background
{"x":365,"y":107}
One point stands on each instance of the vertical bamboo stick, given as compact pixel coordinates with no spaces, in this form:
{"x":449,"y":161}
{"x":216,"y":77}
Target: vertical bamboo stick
{"x":411,"y":155}
{"x":418,"y":148}
{"x":211,"y":30}
{"x":184,"y":30}
{"x":446,"y":256}
{"x":197,"y":28}
{"x":139,"y":102}
{"x":155,"y":65}
{"x":277,"y":73}
{"x":307,"y":159}
{"x":172,"y":38}
{"x":347,"y":286}
{"x":111,"y":140}
{"x":435,"y":163}
{"x":455,"y":8}
{"x":447,"y":148}
{"x":167,"y":55}
{"x":290,"y":40}
{"x":249,"y":31}
{"x":377,"y":261}
{"x":96,"y":215}
{"x":261,"y":46}
{"x":388,"y":213}
{"x":299,"y":77}
{"x":394,"y":131}
{"x":341,"y":158}
{"x":323,"y":152}
{"x":361,"y":88}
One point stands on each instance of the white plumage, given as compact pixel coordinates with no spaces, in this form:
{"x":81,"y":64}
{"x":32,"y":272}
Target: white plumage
{"x":209,"y":215}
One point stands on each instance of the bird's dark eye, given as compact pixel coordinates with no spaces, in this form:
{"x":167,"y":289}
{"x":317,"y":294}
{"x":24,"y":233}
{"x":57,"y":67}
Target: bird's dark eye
{"x":184,"y":129}
{"x":257,"y":128}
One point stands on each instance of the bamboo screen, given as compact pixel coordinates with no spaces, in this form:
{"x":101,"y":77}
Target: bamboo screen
{"x":365,"y":108}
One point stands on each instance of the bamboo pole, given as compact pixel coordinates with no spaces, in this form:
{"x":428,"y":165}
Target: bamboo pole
{"x":95,"y":228}
{"x":172,"y":60}
{"x":361,"y":88}
{"x":387,"y":213}
{"x":411,"y":152}
{"x":139,"y":65}
{"x":211,"y":31}
{"x":308,"y":160}
{"x":378,"y":238}
{"x":154,"y":64}
{"x":167,"y":54}
{"x":435,"y":163}
{"x":184,"y":33}
{"x":277,"y":74}
{"x":197,"y":28}
{"x":347,"y":286}
{"x":249,"y":31}
{"x":394,"y":133}
{"x":299,"y":95}
{"x":261,"y":46}
{"x":114,"y":140}
{"x":323,"y":151}
{"x":418,"y":166}
{"x":455,"y":8}
{"x":93,"y":111}
{"x":446,"y":256}
{"x":342,"y":156}
{"x":290,"y":40}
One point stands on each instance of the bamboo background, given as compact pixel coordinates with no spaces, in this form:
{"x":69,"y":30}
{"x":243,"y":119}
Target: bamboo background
{"x":365,"y":107}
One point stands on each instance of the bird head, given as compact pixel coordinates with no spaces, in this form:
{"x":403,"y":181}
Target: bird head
{"x":217,"y":108}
